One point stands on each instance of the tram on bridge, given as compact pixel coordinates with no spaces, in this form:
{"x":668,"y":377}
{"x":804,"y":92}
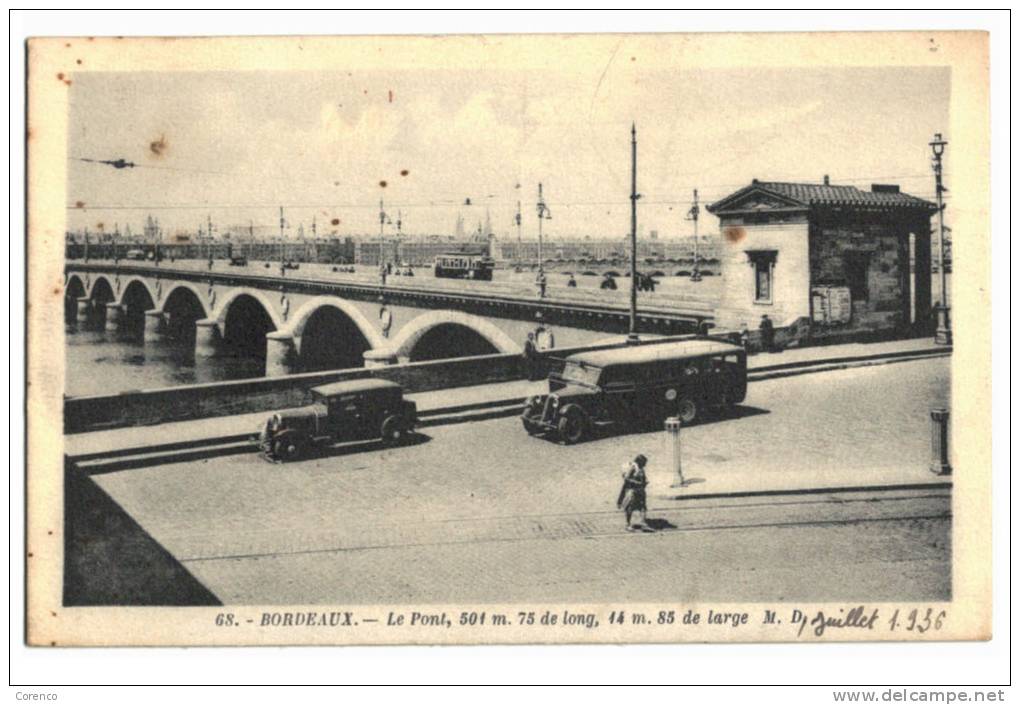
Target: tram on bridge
{"x":464,"y":265}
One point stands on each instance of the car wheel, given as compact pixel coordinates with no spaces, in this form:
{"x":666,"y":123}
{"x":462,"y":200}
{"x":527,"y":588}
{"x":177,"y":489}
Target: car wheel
{"x":287,"y":449}
{"x":393,"y":431}
{"x":573,"y":425}
{"x":687,"y":410}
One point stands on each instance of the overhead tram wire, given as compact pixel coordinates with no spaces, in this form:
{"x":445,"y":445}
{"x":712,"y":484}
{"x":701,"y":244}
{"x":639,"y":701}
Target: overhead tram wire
{"x":720,"y":191}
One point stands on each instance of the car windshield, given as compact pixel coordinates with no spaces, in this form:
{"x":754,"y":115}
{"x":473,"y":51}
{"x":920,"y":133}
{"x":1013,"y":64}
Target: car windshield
{"x":581,"y":374}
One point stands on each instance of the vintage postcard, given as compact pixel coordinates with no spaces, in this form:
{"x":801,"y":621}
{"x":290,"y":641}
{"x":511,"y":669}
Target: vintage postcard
{"x":508,"y":339}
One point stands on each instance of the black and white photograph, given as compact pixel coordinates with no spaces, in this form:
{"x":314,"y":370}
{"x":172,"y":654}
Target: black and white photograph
{"x":508,"y":339}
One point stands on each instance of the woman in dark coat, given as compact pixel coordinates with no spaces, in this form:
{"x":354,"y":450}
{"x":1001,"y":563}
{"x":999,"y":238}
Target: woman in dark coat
{"x":633,"y":497}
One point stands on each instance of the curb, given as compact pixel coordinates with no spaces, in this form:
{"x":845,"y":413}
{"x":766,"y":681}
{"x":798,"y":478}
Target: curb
{"x":902,"y":487}
{"x":499,"y":408}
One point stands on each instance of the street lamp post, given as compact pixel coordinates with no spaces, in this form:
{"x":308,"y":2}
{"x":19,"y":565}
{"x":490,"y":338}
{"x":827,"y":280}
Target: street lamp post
{"x":943,"y":332}
{"x":632,"y":336}
{"x":543,"y":214}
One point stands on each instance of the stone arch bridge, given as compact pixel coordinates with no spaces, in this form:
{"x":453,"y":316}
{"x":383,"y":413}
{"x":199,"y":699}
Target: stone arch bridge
{"x":307,"y":324}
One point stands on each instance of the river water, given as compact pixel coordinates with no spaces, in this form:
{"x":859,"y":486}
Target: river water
{"x":107,"y":362}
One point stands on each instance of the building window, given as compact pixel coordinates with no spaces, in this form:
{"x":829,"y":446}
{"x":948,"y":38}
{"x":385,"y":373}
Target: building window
{"x":763,"y":263}
{"x":856,"y":268}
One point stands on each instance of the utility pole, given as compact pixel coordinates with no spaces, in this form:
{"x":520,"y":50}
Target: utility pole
{"x":943,"y":332}
{"x":543,"y":214}
{"x":692,"y":214}
{"x":382,"y":223}
{"x":208,"y":233}
{"x":517,"y":220}
{"x":632,"y":336}
{"x":283,"y":245}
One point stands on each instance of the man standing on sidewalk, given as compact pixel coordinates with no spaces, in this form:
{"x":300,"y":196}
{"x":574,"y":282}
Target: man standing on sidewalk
{"x":768,"y":333}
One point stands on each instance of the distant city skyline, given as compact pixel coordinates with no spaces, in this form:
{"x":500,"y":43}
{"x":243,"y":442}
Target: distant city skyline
{"x":237,"y":146}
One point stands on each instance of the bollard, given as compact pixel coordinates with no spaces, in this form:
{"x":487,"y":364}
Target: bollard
{"x":672,"y":426}
{"x":940,"y":442}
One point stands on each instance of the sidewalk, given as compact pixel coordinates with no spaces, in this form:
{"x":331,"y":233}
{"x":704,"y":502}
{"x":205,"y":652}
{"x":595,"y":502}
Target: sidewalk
{"x":468,"y":403}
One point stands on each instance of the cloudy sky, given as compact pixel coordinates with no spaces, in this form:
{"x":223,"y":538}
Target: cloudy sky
{"x":238,"y":145}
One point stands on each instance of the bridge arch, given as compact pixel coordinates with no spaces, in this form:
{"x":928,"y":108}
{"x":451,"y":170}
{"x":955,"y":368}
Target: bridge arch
{"x":135,"y":299}
{"x":101,"y":291}
{"x":331,"y":333}
{"x":175,"y":288}
{"x":136,"y":285}
{"x":182,"y":307}
{"x":74,"y":289}
{"x":444,"y":334}
{"x":232,"y":297}
{"x":244,"y":318}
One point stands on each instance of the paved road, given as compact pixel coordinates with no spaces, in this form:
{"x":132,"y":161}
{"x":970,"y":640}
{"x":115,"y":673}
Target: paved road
{"x":537,"y":519}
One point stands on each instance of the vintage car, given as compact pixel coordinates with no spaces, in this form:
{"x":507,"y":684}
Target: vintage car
{"x":356,"y":410}
{"x":238,"y":261}
{"x":640,"y":385}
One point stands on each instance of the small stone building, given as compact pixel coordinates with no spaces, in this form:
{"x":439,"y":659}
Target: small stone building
{"x":825,"y":261}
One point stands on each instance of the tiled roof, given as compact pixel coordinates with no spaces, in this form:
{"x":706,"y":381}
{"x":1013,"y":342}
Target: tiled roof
{"x":833,"y":195}
{"x":830,"y":195}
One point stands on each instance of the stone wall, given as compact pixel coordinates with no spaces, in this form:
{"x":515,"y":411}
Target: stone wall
{"x":880,"y":246}
{"x":197,"y":401}
{"x":790,"y":283}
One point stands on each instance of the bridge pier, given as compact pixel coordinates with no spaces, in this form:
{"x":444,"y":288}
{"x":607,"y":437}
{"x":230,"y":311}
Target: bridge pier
{"x":281,"y":351}
{"x":114,"y":316}
{"x":380,"y":357}
{"x":208,"y":340}
{"x":155,"y":325}
{"x":84,"y":309}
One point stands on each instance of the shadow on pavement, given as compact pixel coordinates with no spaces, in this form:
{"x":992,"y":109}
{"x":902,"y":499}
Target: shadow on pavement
{"x":110,"y":560}
{"x":335,"y":451}
{"x":659,"y":524}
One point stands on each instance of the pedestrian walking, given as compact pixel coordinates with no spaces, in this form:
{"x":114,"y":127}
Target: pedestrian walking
{"x":541,"y":281}
{"x":531,"y":358}
{"x":633,"y":496}
{"x":768,"y":333}
{"x":572,"y":283}
{"x":382,"y":274}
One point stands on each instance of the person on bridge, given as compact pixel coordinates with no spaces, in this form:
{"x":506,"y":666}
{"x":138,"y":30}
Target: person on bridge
{"x":572,"y":283}
{"x":633,"y":496}
{"x":541,"y":281}
{"x":607,"y":282}
{"x":531,"y":359}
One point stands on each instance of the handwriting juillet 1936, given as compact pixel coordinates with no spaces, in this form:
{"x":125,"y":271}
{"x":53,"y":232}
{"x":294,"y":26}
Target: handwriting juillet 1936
{"x":915,"y":620}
